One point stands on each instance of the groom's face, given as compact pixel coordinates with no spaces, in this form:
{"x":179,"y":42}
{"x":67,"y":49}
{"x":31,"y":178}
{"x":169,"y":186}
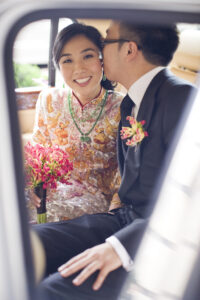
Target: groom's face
{"x":111,"y":53}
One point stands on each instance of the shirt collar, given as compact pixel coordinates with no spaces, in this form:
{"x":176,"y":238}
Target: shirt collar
{"x":138,"y":88}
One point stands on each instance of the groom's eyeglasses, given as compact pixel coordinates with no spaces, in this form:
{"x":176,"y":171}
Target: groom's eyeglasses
{"x":111,"y":41}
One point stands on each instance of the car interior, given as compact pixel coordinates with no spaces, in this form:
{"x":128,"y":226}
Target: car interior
{"x":185,"y":64}
{"x":22,"y":255}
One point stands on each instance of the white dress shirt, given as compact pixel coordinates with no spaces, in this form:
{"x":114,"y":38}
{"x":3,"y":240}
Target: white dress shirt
{"x":136,"y":93}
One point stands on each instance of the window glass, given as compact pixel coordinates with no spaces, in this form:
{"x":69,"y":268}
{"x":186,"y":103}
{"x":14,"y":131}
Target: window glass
{"x":32,"y":43}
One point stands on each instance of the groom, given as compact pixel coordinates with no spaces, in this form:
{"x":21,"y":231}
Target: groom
{"x":136,"y":57}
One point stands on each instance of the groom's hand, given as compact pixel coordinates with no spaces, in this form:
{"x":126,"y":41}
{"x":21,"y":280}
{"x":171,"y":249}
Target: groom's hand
{"x":102,"y":257}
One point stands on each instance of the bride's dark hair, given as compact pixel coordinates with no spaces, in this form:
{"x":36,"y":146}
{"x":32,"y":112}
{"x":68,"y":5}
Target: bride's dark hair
{"x":67,"y":33}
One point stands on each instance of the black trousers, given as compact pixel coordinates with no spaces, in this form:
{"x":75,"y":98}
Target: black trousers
{"x":63,"y":240}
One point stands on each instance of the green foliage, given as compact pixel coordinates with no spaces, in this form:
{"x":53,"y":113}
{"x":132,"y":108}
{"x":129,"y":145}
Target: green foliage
{"x":25,"y":75}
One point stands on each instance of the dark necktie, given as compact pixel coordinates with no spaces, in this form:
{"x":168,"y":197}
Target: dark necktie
{"x":126,"y":109}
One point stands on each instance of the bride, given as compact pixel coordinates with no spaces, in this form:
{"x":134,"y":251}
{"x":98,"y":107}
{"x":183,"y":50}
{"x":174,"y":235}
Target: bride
{"x":83,"y":120}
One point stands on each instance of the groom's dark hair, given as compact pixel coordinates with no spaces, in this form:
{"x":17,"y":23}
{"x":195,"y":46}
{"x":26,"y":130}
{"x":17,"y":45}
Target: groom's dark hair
{"x":157,"y":43}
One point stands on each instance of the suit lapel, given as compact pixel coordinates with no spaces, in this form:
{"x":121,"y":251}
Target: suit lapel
{"x":149,"y":100}
{"x":145,"y":113}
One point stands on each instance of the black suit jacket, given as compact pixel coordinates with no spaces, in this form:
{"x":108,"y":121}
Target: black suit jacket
{"x":161,"y":108}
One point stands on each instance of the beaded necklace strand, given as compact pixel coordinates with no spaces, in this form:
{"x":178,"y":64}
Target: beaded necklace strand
{"x":85,"y":136}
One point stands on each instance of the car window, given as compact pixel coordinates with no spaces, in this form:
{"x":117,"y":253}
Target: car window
{"x":32,"y":42}
{"x":15,"y":253}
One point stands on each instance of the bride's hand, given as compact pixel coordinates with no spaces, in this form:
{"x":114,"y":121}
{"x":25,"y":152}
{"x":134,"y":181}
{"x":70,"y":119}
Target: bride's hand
{"x":114,"y":206}
{"x":35,"y":199}
{"x":115,"y":203}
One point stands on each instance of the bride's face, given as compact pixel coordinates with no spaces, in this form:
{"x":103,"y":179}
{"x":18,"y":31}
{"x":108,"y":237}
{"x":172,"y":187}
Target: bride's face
{"x":81,"y":67}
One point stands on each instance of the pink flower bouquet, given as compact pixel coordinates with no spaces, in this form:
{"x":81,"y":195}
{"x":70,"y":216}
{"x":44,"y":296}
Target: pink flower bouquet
{"x":44,"y":167}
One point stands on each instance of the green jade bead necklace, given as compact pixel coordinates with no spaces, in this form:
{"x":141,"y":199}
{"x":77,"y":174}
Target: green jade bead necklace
{"x":85,"y":136}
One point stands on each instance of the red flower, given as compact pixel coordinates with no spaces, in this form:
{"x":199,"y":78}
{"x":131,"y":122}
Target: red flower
{"x":46,"y":165}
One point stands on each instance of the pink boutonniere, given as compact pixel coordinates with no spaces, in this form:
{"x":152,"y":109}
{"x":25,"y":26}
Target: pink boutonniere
{"x":135,"y":134}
